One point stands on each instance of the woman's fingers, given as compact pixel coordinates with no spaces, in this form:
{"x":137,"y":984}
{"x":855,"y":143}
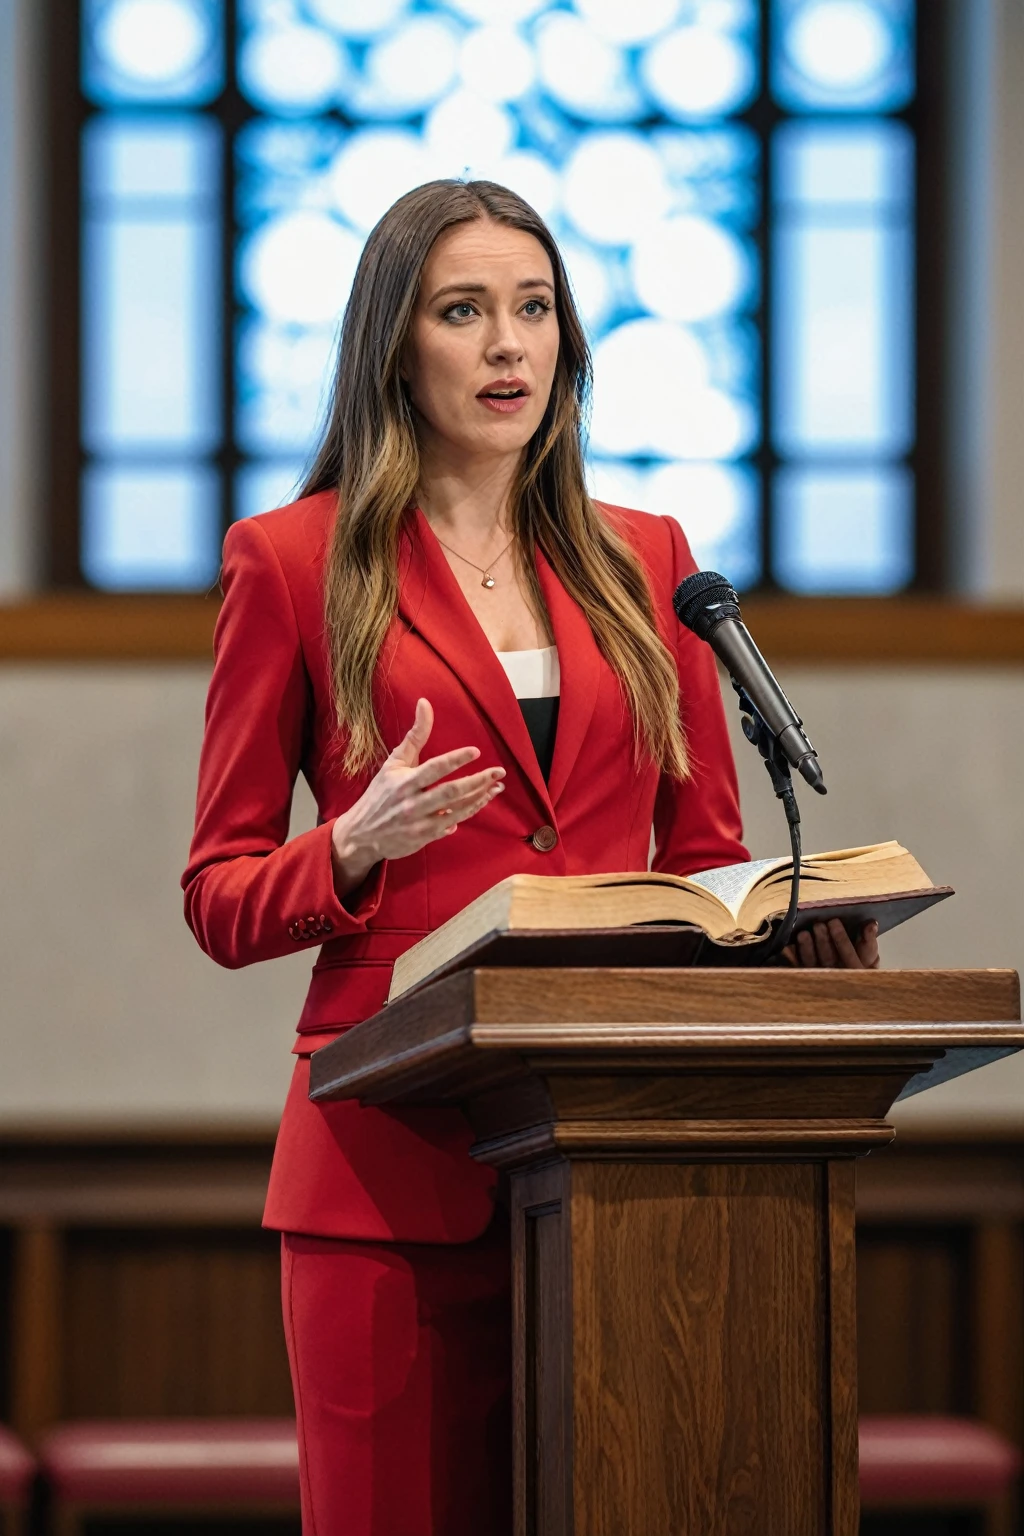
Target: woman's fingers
{"x":806,"y":953}
{"x":446,"y":821}
{"x":445,"y":795}
{"x":823,"y":946}
{"x":436,"y":768}
{"x":416,"y":737}
{"x":867,"y":947}
{"x":476,"y":797}
{"x":846,"y":955}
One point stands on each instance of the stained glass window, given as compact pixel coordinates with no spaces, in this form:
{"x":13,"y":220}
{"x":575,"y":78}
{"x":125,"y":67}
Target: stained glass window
{"x":741,"y":249}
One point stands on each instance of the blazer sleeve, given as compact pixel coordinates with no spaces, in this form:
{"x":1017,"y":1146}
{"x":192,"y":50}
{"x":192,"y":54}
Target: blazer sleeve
{"x":249,"y":893}
{"x":697,"y":822}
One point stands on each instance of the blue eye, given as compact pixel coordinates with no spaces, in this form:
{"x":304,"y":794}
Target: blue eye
{"x":460,"y":311}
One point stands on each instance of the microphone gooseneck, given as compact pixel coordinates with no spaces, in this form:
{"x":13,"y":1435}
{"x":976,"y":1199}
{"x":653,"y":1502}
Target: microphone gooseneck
{"x":707,"y":604}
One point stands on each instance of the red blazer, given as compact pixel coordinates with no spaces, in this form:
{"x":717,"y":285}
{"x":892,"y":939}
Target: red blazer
{"x":406,"y":1175}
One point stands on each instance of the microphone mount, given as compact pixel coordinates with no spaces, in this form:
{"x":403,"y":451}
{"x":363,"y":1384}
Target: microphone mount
{"x":702,"y":602}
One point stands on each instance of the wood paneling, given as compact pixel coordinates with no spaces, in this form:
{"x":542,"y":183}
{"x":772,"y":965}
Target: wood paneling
{"x":139,"y":1279}
{"x":811,"y":631}
{"x":842,"y":1312}
{"x":912,"y":1313}
{"x":693,"y":1378}
{"x":173,"y":1323}
{"x":37,"y":1332}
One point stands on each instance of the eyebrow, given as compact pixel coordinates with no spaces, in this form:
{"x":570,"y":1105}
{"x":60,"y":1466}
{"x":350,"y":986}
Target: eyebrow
{"x":527,"y":282}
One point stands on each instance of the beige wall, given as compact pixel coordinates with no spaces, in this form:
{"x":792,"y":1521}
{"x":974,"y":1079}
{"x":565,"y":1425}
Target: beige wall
{"x":110,"y":1011}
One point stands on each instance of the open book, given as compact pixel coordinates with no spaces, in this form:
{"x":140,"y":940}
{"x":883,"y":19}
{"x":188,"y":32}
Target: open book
{"x":734,"y":908}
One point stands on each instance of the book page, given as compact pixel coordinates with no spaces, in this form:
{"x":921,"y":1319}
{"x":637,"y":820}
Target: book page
{"x":733,"y":883}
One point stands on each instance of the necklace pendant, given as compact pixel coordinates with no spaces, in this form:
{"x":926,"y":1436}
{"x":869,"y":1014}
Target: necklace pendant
{"x":488,"y":580}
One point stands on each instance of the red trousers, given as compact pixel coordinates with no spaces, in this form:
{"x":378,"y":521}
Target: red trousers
{"x":400,"y":1360}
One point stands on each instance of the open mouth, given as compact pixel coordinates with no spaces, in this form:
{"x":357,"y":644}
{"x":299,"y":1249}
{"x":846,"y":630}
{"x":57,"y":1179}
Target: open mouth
{"x":505,"y":399}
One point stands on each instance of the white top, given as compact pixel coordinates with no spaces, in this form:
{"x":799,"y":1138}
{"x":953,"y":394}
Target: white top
{"x":533,"y":674}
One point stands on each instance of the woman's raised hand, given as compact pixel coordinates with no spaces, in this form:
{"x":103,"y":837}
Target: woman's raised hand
{"x":405,"y":806}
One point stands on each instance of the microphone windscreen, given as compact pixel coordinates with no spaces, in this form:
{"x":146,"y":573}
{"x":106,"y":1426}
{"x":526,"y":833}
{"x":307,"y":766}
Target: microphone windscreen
{"x":703,"y":600}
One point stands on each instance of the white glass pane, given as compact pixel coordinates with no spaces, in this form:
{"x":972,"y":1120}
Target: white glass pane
{"x":851,"y":55}
{"x":128,"y":157}
{"x":152,"y":50}
{"x":843,"y":531}
{"x":149,"y":329}
{"x":835,"y":167}
{"x":150,"y":528}
{"x":843,"y":311}
{"x":151,"y":290}
{"x":261,"y":487}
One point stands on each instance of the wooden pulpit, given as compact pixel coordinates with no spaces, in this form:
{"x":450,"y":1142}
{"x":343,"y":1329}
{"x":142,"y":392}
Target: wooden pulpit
{"x":680,"y":1148}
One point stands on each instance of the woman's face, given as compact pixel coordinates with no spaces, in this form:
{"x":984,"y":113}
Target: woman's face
{"x":483,"y":344}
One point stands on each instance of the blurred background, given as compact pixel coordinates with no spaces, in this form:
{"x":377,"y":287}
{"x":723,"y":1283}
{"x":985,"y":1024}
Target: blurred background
{"x":795,"y":229}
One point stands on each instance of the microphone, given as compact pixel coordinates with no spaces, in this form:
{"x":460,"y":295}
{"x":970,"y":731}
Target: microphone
{"x":706,"y":604}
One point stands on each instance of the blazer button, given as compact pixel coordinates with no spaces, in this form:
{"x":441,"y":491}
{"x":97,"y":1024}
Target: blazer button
{"x":544,"y":839}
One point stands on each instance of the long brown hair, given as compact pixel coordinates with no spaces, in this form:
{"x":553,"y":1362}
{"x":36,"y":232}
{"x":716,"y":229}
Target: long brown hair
{"x":369,"y":455}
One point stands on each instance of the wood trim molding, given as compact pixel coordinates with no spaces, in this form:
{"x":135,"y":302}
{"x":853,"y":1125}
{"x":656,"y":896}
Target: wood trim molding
{"x":807,"y":631}
{"x":86,"y":627}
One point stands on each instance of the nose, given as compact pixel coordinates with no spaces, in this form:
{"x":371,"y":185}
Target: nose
{"x":504,"y":345}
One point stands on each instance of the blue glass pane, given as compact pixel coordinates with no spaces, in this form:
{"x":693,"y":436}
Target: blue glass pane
{"x":260,"y":487}
{"x":717,"y":506}
{"x":843,"y":531}
{"x":843,"y":55}
{"x":152,"y":527}
{"x":842,"y":250}
{"x":150,"y":280}
{"x":138,"y":51}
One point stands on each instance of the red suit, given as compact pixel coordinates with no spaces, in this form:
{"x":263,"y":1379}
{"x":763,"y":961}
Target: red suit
{"x":406,"y":1177}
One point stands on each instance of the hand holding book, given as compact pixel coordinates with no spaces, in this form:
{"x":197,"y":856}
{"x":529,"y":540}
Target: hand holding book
{"x":829,"y":946}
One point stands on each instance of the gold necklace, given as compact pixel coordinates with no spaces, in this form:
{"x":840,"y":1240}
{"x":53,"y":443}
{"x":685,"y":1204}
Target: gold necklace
{"x":485,"y":571}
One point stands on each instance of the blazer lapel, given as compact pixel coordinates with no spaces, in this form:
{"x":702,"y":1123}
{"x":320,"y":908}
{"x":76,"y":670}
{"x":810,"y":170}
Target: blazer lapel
{"x":432,"y":603}
{"x":579,"y":663}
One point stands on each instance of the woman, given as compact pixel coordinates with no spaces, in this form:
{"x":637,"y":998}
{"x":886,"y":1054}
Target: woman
{"x":479,"y":673}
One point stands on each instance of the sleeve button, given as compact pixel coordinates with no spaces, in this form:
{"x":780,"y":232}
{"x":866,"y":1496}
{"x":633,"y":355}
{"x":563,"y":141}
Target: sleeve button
{"x":544,"y":839}
{"x":326,"y":924}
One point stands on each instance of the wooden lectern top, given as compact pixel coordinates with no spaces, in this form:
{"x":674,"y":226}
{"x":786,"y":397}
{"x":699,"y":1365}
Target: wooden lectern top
{"x":441,"y":1041}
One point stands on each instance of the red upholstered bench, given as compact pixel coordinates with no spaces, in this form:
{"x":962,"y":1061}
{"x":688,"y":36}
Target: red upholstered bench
{"x":933,"y":1462}
{"x":17,"y":1470}
{"x":243,"y":1467}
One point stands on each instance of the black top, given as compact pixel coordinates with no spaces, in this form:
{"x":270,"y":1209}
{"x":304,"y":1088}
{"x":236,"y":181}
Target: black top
{"x":541,"y":717}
